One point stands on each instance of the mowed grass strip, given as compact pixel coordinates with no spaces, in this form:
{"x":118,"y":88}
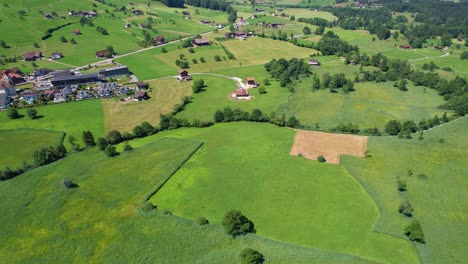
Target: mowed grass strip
{"x":72,"y":118}
{"x":19,"y":144}
{"x":439,"y":199}
{"x":247,"y":166}
{"x":164,"y":93}
{"x":371,"y":105}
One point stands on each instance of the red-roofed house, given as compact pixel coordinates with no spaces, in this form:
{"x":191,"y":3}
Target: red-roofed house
{"x":76,"y":32}
{"x":184,"y":75}
{"x":101,"y":53}
{"x":159,"y":40}
{"x":242,"y":93}
{"x":406,"y":46}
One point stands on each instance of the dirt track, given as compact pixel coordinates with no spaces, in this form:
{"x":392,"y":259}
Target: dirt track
{"x":311,"y":144}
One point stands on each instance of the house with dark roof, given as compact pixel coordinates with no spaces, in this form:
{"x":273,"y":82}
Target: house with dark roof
{"x":101,"y":53}
{"x":115,"y":71}
{"x":275,"y":25}
{"x":241,"y":93}
{"x":136,"y":12}
{"x":56,"y":56}
{"x":159,"y":40}
{"x":206,"y":21}
{"x":141,"y":86}
{"x":32,"y":55}
{"x":229,"y":35}
{"x":76,"y":32}
{"x":184,"y":75}
{"x":65,"y":78}
{"x":141,"y":95}
{"x":251,"y":82}
{"x":406,"y":46}
{"x":200,"y":42}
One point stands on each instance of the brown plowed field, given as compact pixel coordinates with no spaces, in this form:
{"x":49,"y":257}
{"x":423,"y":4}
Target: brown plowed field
{"x":311,"y":144}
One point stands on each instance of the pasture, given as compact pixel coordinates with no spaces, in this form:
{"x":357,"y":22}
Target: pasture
{"x":438,"y":198}
{"x":371,"y":105}
{"x":164,"y":93}
{"x":99,"y":222}
{"x":71,"y":118}
{"x":247,"y":166}
{"x":19,"y":144}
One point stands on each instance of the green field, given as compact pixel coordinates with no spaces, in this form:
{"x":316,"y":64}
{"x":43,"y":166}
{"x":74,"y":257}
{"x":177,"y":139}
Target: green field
{"x":371,"y":105}
{"x":247,"y":166}
{"x":71,"y":118}
{"x":98,"y":222}
{"x":439,"y":201}
{"x":19,"y":144}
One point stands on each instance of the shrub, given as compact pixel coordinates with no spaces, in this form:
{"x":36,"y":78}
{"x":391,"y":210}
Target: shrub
{"x":402,"y":185}
{"x":236,"y":224}
{"x":111,"y":151}
{"x":68,"y":184}
{"x":114,"y":137}
{"x":127,"y":147}
{"x":88,"y":139}
{"x":321,"y":158}
{"x":12,"y":113}
{"x":139,"y":132}
{"x":147,"y":207}
{"x":31,"y":113}
{"x":414,"y":232}
{"x":102,"y":143}
{"x":202,"y":221}
{"x":251,"y":256}
{"x":198,"y":85}
{"x":405,"y":208}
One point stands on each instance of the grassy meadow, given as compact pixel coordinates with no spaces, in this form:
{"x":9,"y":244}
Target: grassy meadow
{"x":439,"y":200}
{"x":19,"y":144}
{"x":247,"y":166}
{"x":164,"y":93}
{"x":71,"y":118}
{"x":98,"y":221}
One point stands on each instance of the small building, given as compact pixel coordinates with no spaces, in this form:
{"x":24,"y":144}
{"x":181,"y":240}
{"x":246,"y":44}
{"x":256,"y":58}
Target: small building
{"x":275,"y":25}
{"x":127,"y":25}
{"x":314,"y":62}
{"x":200,"y":42}
{"x":406,"y":46}
{"x":115,"y":71}
{"x":141,"y":85}
{"x":56,"y":56}
{"x":30,"y":96}
{"x":241,"y":93}
{"x":32,"y":55}
{"x":89,"y":14}
{"x":251,"y":82}
{"x":159,"y":40}
{"x":220,"y":26}
{"x":72,"y":13}
{"x":101,"y":53}
{"x":143,"y":25}
{"x":241,"y":35}
{"x":206,"y":21}
{"x":50,"y":94}
{"x":439,"y":47}
{"x":48,"y":16}
{"x":229,"y":35}
{"x":76,"y":32}
{"x":460,"y":39}
{"x":141,"y":95}
{"x":184,"y":75}
{"x":137,"y":12}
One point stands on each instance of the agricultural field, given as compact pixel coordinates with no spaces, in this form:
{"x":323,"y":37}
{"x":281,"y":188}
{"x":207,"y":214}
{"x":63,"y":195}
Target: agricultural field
{"x":71,"y":118}
{"x":19,"y":144}
{"x":164,"y":93}
{"x":436,"y":189}
{"x":294,"y":208}
{"x":371,"y":105}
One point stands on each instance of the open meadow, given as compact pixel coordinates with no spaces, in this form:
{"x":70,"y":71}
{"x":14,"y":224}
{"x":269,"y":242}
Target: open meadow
{"x":19,"y":144}
{"x":436,"y":188}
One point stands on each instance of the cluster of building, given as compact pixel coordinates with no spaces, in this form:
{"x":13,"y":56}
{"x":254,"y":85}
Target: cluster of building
{"x":242,"y":91}
{"x":83,"y":13}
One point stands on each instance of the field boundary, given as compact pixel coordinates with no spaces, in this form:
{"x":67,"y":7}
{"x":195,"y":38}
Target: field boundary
{"x":59,"y":141}
{"x":172,"y":172}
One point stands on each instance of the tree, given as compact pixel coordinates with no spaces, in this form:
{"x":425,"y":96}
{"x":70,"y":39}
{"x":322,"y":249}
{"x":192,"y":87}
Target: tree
{"x":111,"y":151}
{"x":73,"y":41}
{"x":395,"y":35}
{"x":414,"y":232}
{"x":401,"y":185}
{"x":127,"y":147}
{"x":63,"y":39}
{"x":21,"y":12}
{"x":219,"y":116}
{"x":31,"y":113}
{"x":202,"y":221}
{"x":163,"y":50}
{"x":88,"y":139}
{"x":446,"y":40}
{"x":251,"y":256}
{"x":402,"y":85}
{"x":236,"y":224}
{"x":321,"y":158}
{"x":114,"y":137}
{"x":393,"y":127}
{"x":464,"y":55}
{"x":36,"y":45}
{"x":198,"y":85}
{"x":306,"y":30}
{"x":405,"y":208}
{"x":139,"y":132}
{"x":293,"y":122}
{"x":409,"y":126}
{"x":68,"y":184}
{"x":320,"y":30}
{"x":148,"y":128}
{"x":202,"y":60}
{"x":12,"y":113}
{"x":102,"y":143}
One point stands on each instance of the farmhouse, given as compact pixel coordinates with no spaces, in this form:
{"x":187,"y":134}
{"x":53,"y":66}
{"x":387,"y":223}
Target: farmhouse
{"x":101,"y":53}
{"x":141,"y":85}
{"x":241,"y":93}
{"x":229,"y":35}
{"x":159,"y":40}
{"x":406,"y":46}
{"x":48,"y":16}
{"x":184,"y":75}
{"x":140,"y":95}
{"x":251,"y":82}
{"x":439,"y":47}
{"x":88,"y":13}
{"x":76,"y":32}
{"x":56,"y":56}
{"x":275,"y":25}
{"x":50,"y":94}
{"x":200,"y":42}
{"x":206,"y":21}
{"x":116,"y":71}
{"x":241,"y":35}
{"x":137,"y":12}
{"x":314,"y":62}
{"x":32,"y":55}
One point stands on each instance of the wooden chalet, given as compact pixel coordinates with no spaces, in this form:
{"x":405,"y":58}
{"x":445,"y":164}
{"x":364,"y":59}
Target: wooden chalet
{"x":251,"y":82}
{"x":159,"y":40}
{"x":184,"y":75}
{"x":76,"y":32}
{"x":141,"y":95}
{"x":275,"y":25}
{"x":206,"y":21}
{"x":439,"y":47}
{"x":200,"y":42}
{"x":406,"y":46}
{"x":32,"y":55}
{"x":141,"y":85}
{"x":101,"y":53}
{"x":241,"y":93}
{"x":314,"y":62}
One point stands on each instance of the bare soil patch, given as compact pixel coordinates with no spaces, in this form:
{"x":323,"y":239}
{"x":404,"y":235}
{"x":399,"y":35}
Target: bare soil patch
{"x":311,"y":144}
